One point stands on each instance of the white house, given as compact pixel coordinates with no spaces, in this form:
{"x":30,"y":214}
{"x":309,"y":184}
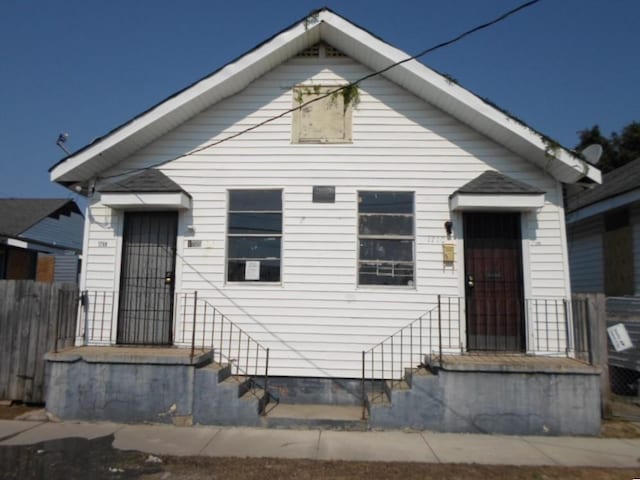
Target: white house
{"x":326,"y":228}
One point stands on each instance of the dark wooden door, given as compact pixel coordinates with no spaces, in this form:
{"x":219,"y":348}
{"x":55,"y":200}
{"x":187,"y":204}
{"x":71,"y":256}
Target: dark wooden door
{"x":493,"y":278}
{"x":145,"y":314}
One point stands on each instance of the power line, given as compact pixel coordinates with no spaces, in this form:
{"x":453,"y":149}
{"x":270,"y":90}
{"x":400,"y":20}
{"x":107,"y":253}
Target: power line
{"x":446,"y":43}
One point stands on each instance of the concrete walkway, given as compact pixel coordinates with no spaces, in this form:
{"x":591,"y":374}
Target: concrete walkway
{"x":338,"y":445}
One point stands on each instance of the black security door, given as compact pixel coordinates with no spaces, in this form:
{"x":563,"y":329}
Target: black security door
{"x":493,"y":277}
{"x":147,"y":278}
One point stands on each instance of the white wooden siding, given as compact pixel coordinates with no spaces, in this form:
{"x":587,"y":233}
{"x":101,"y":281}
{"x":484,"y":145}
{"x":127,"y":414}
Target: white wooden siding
{"x":585,"y":255}
{"x":317,"y":321}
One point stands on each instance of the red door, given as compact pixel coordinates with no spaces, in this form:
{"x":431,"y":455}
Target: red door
{"x":493,"y":277}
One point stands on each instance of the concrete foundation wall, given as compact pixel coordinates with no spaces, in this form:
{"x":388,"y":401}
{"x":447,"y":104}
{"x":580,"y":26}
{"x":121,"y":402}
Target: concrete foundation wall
{"x":119,"y":392}
{"x":514,"y":403}
{"x":182,"y":390}
{"x":330,"y":391}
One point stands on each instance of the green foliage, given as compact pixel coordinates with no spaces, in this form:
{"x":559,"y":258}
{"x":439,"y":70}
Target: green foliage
{"x":350,"y":95}
{"x":618,"y":149}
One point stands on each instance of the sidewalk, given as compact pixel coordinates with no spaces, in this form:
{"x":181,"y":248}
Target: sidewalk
{"x":424,"y":447}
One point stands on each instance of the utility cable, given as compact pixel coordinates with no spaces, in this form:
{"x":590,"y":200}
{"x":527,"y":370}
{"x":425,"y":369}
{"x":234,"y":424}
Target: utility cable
{"x":334,"y":91}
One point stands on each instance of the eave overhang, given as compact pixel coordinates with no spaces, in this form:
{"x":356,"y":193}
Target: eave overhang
{"x":502,"y":202}
{"x":146,"y":201}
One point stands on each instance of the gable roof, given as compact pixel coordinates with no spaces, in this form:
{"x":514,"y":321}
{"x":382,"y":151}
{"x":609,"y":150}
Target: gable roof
{"x":357,"y":43}
{"x":19,"y":214}
{"x":492,"y":183}
{"x":148,"y":181}
{"x":621,"y":180}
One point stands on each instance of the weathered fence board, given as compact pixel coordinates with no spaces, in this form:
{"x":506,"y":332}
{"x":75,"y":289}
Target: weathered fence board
{"x":589,"y":312}
{"x":34,"y":318}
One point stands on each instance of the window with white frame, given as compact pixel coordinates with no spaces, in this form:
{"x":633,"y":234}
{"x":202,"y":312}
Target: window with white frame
{"x":254,"y":235}
{"x":386,"y":238}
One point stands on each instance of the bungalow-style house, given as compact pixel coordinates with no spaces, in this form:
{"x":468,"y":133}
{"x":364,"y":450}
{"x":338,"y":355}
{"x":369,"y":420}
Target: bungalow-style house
{"x":40,"y":239}
{"x":318,"y":234}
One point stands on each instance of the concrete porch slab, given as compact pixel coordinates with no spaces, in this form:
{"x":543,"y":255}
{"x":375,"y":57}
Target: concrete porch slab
{"x":133,"y":355}
{"x":54,"y":431}
{"x":374,"y":446}
{"x":257,"y":442}
{"x":510,"y":363}
{"x":316,"y":411}
{"x":342,"y":417}
{"x":580,"y":451}
{"x":484,"y":449}
{"x":12,"y":427}
{"x":164,"y":439}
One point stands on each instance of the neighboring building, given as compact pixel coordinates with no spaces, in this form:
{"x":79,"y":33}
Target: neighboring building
{"x":40,"y":239}
{"x":603,"y":227}
{"x":332,"y":226}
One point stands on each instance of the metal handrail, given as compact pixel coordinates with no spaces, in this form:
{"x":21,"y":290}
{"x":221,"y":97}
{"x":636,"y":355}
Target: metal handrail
{"x":430,"y":333}
{"x":202,"y":326}
{"x":555,"y":331}
{"x":210,"y":328}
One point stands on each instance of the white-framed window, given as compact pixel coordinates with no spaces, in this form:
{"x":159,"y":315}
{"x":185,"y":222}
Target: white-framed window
{"x":326,"y":120}
{"x":254,"y":235}
{"x":386,"y":238}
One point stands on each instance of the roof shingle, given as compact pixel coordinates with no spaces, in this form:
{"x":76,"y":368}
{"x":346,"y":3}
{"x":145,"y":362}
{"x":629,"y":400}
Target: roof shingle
{"x":616,"y":182}
{"x":148,"y":181}
{"x":19,"y":214}
{"x":491,"y":183}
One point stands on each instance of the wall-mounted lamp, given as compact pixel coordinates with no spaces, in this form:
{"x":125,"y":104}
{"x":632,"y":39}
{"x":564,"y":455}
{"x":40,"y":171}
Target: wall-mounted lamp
{"x":448,"y":227}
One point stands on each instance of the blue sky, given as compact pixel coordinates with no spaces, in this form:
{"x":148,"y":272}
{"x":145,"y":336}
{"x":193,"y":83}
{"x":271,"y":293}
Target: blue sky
{"x":86,"y":66}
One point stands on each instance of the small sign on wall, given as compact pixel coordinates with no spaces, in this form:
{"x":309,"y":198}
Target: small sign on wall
{"x":448,"y":253}
{"x":619,"y":337}
{"x":324,"y":194}
{"x":252,"y":270}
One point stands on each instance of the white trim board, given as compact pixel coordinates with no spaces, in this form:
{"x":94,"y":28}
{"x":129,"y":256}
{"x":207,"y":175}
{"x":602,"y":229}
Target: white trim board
{"x":603,"y":206}
{"x":519,"y":202}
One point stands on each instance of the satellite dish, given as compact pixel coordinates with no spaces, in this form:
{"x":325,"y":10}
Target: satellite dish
{"x":592,"y":153}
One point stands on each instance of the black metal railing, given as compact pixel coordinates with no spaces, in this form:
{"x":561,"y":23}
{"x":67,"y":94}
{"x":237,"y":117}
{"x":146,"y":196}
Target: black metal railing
{"x":204,"y":326}
{"x":435,"y":332}
{"x":96,"y":323}
{"x":197,"y":325}
{"x":550,"y":328}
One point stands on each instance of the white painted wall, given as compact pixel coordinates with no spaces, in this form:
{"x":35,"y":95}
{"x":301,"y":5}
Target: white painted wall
{"x":318,"y":320}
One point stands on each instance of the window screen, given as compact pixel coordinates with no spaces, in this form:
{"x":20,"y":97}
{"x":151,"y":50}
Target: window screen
{"x":254,"y":235}
{"x":386,"y":238}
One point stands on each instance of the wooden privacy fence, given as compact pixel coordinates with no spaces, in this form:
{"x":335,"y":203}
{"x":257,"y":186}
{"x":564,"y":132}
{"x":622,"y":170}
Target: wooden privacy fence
{"x":35,"y":318}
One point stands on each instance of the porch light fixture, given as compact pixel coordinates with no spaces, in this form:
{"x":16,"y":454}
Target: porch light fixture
{"x":448,"y":227}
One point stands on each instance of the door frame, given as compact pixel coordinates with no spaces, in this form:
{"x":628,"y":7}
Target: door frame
{"x":526,"y":219}
{"x":117,"y":217}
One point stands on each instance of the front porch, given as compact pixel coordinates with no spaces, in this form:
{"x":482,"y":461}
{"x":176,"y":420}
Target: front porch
{"x":422,"y":376}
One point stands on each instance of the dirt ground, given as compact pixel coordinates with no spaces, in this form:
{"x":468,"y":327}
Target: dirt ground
{"x":261,"y":468}
{"x":9,"y":412}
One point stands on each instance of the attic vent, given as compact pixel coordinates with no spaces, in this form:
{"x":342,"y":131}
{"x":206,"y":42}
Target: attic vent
{"x":321,"y":50}
{"x":333,"y":52}
{"x":310,"y":52}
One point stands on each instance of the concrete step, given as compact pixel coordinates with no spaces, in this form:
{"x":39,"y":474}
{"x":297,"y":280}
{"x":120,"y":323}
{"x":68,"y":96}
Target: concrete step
{"x":223,"y":370}
{"x":328,"y":417}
